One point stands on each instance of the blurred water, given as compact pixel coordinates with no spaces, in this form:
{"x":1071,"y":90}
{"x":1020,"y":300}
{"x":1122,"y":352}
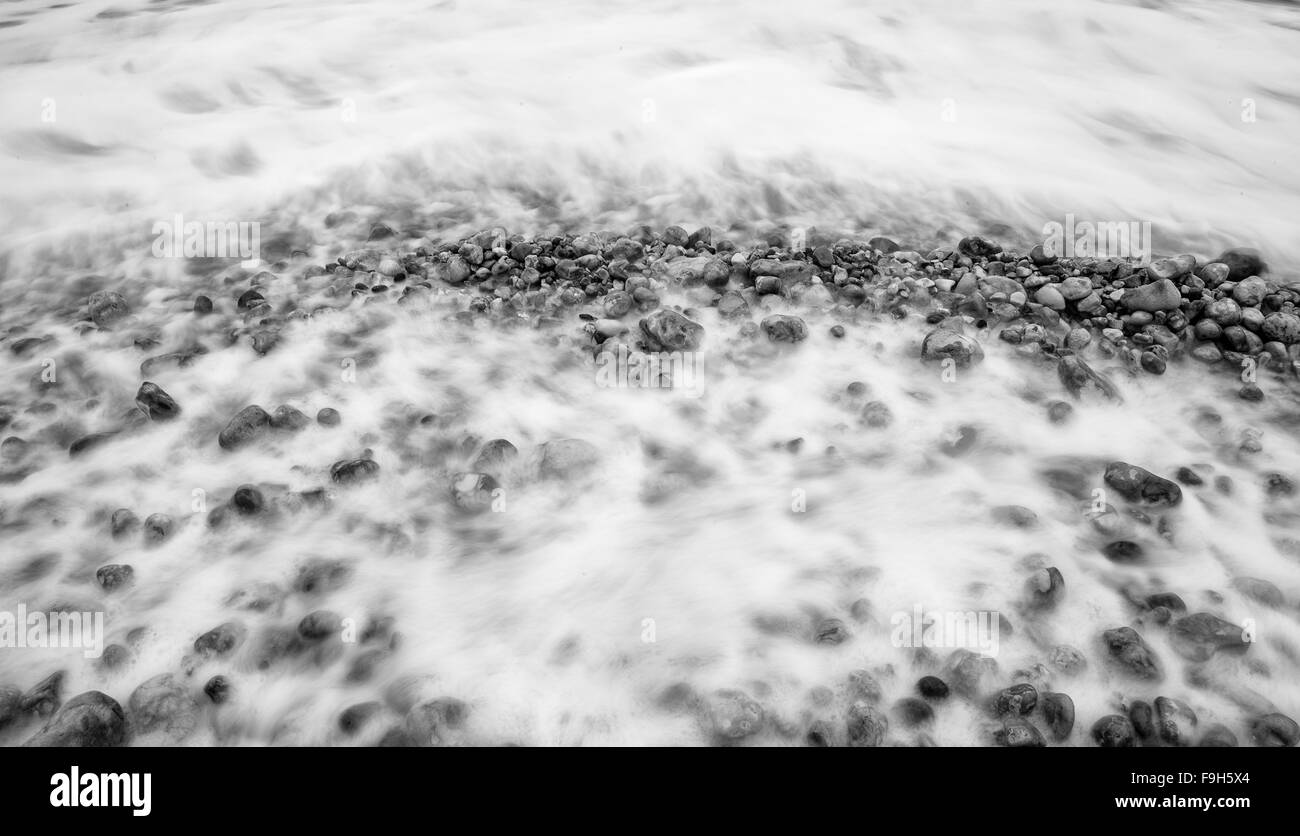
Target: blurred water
{"x":542,"y":117}
{"x":902,"y":117}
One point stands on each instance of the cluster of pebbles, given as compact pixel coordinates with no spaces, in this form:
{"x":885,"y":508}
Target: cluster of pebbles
{"x":610,"y":288}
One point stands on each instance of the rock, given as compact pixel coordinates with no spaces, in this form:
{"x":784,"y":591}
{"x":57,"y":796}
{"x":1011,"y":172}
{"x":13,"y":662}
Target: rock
{"x":976,"y":247}
{"x":1242,"y":263}
{"x":1175,"y":721}
{"x":1281,"y":327}
{"x":1114,"y":731}
{"x":354,"y":471}
{"x":1058,"y":412}
{"x":1218,"y":735}
{"x":1122,"y":551}
{"x":1018,"y":699}
{"x":114,"y":576}
{"x":218,"y":690}
{"x":566,"y":458}
{"x":1017,"y":516}
{"x":1070,"y":661}
{"x":1078,"y":377}
{"x":732,"y":304}
{"x":942,"y":344}
{"x":328,"y":417}
{"x":1051,"y":297}
{"x":932,"y":688}
{"x":433,"y":723}
{"x":123,"y":523}
{"x":1199,"y":636}
{"x":1046,"y":588}
{"x":960,"y":440}
{"x":289,"y":419}
{"x":667,"y":330}
{"x":221,"y":640}
{"x":1275,"y":730}
{"x":107,"y":307}
{"x":967,"y":672}
{"x":1279,"y":484}
{"x":355,"y":717}
{"x":43,"y":698}
{"x":1250,"y":292}
{"x":91,"y":719}
{"x":320,"y":625}
{"x":1260,"y":590}
{"x":780,"y":328}
{"x":9,"y":706}
{"x":877,"y":415}
{"x":1019,"y":734}
{"x":495,"y":456}
{"x":912,"y":712}
{"x":1168,"y":600}
{"x":1131,"y":654}
{"x":1224,"y":312}
{"x":1250,"y":392}
{"x":89,"y":442}
{"x":248,"y":500}
{"x":831,"y":631}
{"x":272,"y":644}
{"x":320,"y":575}
{"x":156,"y":403}
{"x":1160,"y":295}
{"x":1058,"y":711}
{"x":867,"y":727}
{"x":473,"y":492}
{"x":249,"y":299}
{"x":1165,"y":268}
{"x":202,"y":305}
{"x":1207,"y":353}
{"x":732,"y":715}
{"x":1152,"y":362}
{"x":249,"y":423}
{"x":158,"y":528}
{"x":162,"y":704}
{"x":1075,"y":288}
{"x":1137,"y":483}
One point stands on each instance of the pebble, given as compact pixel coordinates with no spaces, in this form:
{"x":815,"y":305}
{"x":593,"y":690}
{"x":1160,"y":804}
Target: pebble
{"x":781,"y":328}
{"x":942,"y":344}
{"x":354,"y":471}
{"x":732,"y":715}
{"x":88,"y":720}
{"x":1131,"y":654}
{"x":1175,"y":721}
{"x":1275,"y":730}
{"x":1114,"y":731}
{"x":668,"y":330}
{"x":1200,"y":635}
{"x":247,"y":425}
{"x":867,"y":727}
{"x":156,"y":403}
{"x":163,"y":705}
{"x":1058,"y":712}
{"x":107,"y":307}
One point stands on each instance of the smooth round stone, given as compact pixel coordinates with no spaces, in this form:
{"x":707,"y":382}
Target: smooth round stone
{"x":1220,"y":736}
{"x":1019,"y":734}
{"x":912,"y":712}
{"x":1058,"y":711}
{"x":1275,"y":730}
{"x":932,"y":688}
{"x":1075,"y":288}
{"x":1114,"y":731}
{"x":1224,"y":311}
